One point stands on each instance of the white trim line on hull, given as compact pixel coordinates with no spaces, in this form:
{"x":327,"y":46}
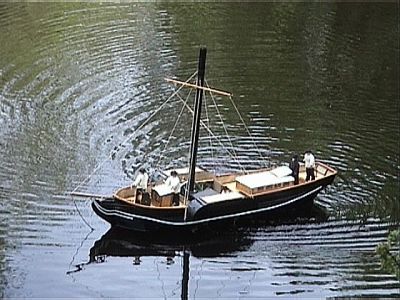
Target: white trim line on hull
{"x":188,"y":223}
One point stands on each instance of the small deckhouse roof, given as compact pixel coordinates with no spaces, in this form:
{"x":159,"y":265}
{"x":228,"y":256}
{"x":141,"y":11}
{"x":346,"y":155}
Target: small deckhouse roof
{"x":281,"y":171}
{"x":278,"y":175}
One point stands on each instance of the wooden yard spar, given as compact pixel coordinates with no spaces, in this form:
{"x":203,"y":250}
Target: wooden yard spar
{"x":207,"y":89}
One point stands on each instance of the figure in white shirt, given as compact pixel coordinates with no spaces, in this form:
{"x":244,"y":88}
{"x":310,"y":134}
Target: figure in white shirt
{"x":141,"y":182}
{"x":174,"y":183}
{"x":309,"y":162}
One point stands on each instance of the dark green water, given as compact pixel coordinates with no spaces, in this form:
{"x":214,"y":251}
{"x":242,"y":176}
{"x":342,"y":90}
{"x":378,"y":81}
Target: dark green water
{"x":77,"y":79}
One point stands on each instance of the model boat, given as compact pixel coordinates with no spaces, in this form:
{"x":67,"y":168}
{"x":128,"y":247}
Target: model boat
{"x":213,"y":201}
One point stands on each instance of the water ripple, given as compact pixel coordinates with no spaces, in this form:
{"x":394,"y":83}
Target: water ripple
{"x":78,"y":79}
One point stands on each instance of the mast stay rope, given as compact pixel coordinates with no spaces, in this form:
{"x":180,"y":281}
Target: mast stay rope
{"x":248,"y":131}
{"x":172,"y":131}
{"x":235,"y":157}
{"x":114,"y":152}
{"x":263,"y":159}
{"x":204,"y":125}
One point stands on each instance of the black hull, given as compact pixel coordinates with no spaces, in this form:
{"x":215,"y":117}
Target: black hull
{"x":271,"y":208}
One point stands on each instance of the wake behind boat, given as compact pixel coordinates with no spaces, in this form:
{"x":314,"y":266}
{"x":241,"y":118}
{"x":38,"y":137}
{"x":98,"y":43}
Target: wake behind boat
{"x":213,"y":201}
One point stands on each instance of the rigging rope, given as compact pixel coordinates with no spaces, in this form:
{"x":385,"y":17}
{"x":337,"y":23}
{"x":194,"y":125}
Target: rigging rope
{"x":263,"y":159}
{"x":248,"y":131}
{"x":206,"y":127}
{"x":235,"y":157}
{"x":173,"y":129}
{"x":114,"y":152}
{"x":208,"y":124}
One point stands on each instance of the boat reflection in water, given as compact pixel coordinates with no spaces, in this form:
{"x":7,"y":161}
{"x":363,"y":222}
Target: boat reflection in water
{"x":125,"y":243}
{"x":119,"y":242}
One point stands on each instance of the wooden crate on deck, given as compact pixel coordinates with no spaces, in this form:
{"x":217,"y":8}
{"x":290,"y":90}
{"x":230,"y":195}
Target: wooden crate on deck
{"x":161,"y":196}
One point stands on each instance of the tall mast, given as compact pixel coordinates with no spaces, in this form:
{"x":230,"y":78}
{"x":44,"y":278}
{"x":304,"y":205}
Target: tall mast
{"x":196,"y":120}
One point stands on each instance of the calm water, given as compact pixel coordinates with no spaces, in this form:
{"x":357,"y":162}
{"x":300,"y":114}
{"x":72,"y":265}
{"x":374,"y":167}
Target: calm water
{"x":77,"y":79}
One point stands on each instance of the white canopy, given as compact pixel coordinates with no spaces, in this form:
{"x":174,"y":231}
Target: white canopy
{"x":267,"y":178}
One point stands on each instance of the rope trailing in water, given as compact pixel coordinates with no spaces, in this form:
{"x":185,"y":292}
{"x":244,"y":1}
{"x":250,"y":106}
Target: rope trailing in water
{"x":80,"y":214}
{"x":114,"y":152}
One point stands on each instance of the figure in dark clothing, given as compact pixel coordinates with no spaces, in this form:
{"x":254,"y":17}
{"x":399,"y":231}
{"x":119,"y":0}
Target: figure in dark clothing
{"x":295,"y":166}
